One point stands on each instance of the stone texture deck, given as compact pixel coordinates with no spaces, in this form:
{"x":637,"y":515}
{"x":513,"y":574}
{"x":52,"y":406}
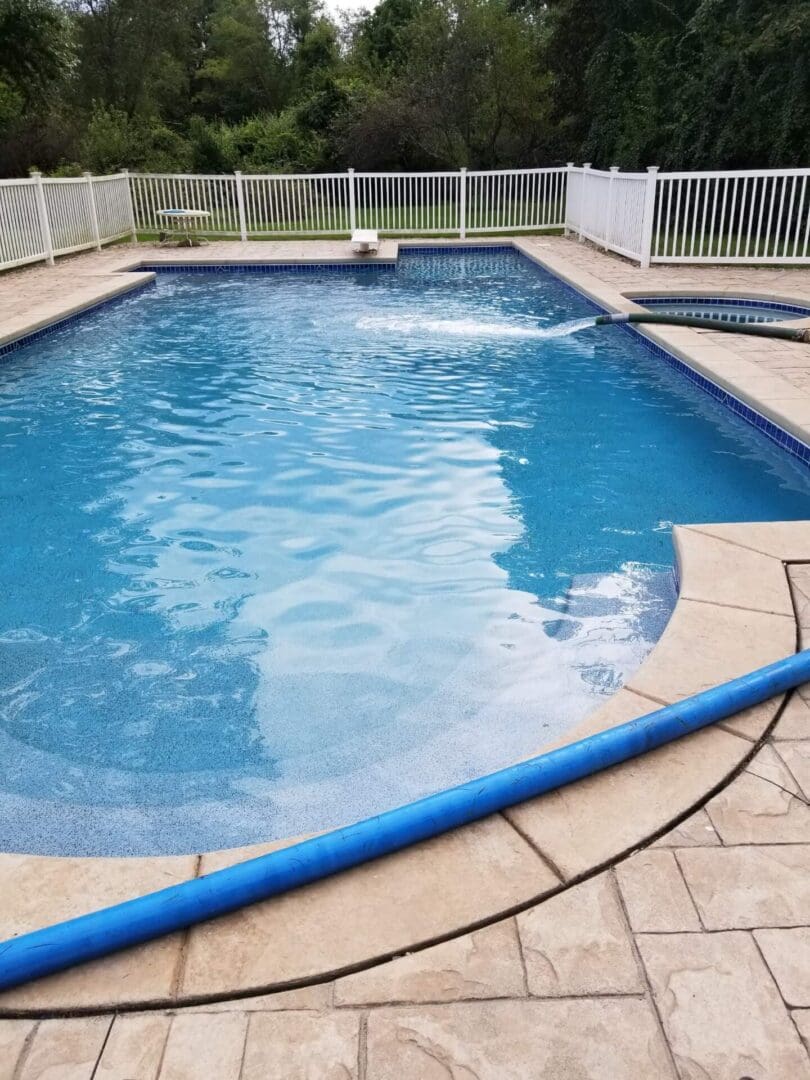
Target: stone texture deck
{"x":689,"y":959}
{"x":650,"y":922}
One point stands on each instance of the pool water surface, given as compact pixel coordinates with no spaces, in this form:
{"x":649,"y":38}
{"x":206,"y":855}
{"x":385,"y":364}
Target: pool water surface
{"x":283,"y":550}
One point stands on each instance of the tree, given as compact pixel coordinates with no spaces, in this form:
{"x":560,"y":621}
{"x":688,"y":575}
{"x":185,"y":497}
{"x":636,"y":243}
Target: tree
{"x":252,"y":51}
{"x":469,"y":86}
{"x":379,"y":36}
{"x":276,"y":84}
{"x":114,"y":140}
{"x":36,"y":61}
{"x":138,"y":56}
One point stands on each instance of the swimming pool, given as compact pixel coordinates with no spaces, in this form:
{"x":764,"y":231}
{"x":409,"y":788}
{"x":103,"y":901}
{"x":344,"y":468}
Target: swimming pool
{"x":280,"y":550}
{"x":725,"y":308}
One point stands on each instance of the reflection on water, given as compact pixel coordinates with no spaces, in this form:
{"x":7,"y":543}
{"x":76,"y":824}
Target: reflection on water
{"x":279,"y":552}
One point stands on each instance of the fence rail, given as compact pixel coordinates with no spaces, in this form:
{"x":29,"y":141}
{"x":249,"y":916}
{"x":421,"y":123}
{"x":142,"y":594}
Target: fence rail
{"x":608,"y":208}
{"x":749,"y":217}
{"x":336,"y":203}
{"x":41,"y":218}
{"x":732,"y":217}
{"x":754,"y":217}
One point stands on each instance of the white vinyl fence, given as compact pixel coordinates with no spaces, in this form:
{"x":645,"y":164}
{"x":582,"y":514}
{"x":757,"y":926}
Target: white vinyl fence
{"x":754,"y":216}
{"x":759,"y":216}
{"x":336,"y":203}
{"x":611,"y":208}
{"x":41,"y":218}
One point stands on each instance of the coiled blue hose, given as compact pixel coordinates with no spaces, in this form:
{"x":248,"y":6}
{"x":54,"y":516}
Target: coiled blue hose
{"x":54,"y":948}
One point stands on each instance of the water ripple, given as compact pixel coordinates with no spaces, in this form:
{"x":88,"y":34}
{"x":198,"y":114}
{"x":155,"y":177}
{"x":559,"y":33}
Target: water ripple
{"x":281,"y":551}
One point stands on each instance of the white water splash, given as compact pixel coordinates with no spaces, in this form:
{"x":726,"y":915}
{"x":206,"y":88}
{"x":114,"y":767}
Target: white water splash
{"x":414,"y":324}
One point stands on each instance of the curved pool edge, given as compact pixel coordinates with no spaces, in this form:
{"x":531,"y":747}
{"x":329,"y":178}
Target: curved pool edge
{"x":723,"y":625}
{"x":734,"y":613}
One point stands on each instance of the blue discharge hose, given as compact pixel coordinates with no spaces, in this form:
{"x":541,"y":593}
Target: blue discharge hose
{"x":65,"y":944}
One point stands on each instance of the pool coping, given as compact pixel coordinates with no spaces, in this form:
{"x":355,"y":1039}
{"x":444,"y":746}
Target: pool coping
{"x":734,"y":613}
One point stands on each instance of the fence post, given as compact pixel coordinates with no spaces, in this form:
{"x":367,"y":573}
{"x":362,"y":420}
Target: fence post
{"x":132,"y":226}
{"x":93,"y":212}
{"x":352,"y":208}
{"x":609,"y":210}
{"x":462,"y":203}
{"x":647,"y":220}
{"x":582,"y":202}
{"x":240,"y":204}
{"x":569,"y":166}
{"x":44,"y":225}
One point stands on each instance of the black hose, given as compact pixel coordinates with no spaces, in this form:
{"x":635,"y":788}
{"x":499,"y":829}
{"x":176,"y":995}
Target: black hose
{"x":788,"y":333}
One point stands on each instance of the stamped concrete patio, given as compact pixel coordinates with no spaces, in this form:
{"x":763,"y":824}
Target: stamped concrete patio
{"x":690,"y":959}
{"x":650,"y":922}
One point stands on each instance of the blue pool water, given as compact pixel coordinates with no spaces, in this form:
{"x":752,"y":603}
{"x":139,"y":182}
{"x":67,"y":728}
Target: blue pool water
{"x":281,"y":551}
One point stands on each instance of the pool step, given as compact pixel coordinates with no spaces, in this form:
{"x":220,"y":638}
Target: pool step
{"x":638,"y":599}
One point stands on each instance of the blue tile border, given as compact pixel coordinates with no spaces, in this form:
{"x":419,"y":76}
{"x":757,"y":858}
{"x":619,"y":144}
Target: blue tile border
{"x":60,"y":324}
{"x":718,"y":301}
{"x":783,"y":439}
{"x":776,"y":434}
{"x":265,"y":268}
{"x":444,"y":249}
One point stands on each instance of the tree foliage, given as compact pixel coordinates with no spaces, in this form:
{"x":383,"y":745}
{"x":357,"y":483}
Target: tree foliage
{"x":261,"y":85}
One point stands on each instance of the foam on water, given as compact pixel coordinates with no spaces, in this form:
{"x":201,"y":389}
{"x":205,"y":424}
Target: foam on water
{"x":415,"y":324}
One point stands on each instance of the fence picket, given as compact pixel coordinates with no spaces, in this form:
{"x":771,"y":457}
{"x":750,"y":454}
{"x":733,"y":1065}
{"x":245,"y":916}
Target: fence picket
{"x":749,"y":216}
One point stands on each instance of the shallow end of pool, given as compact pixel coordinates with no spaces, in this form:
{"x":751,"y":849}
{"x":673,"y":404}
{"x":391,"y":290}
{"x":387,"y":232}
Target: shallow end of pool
{"x":734,"y":614}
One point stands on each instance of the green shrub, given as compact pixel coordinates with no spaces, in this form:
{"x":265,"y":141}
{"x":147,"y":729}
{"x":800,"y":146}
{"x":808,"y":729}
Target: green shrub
{"x":278,"y":143}
{"x":113,"y":140}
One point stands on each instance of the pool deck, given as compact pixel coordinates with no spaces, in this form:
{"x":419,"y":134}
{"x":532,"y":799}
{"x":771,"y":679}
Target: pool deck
{"x":651,"y":921}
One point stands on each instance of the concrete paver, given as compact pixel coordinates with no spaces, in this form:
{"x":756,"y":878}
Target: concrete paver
{"x":720,"y":574}
{"x":654,"y":893}
{"x":796,"y":756}
{"x":15,"y":1035}
{"x":794,"y":723}
{"x":722,"y":1013}
{"x":801,"y":1018}
{"x":578,"y":943}
{"x":585,"y":1039}
{"x":64,"y":1049}
{"x":484,"y":964}
{"x":36,"y":891}
{"x":787,"y":954}
{"x":749,"y":886}
{"x":757,"y":811}
{"x":377,"y":908}
{"x":134,"y":1048}
{"x":205,"y":1046}
{"x":696,"y":831}
{"x":302,"y":1046}
{"x":605,"y":815}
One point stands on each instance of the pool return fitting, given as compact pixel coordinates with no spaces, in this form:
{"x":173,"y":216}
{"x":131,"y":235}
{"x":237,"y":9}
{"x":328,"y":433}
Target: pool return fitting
{"x":788,"y":333}
{"x":87,"y":937}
